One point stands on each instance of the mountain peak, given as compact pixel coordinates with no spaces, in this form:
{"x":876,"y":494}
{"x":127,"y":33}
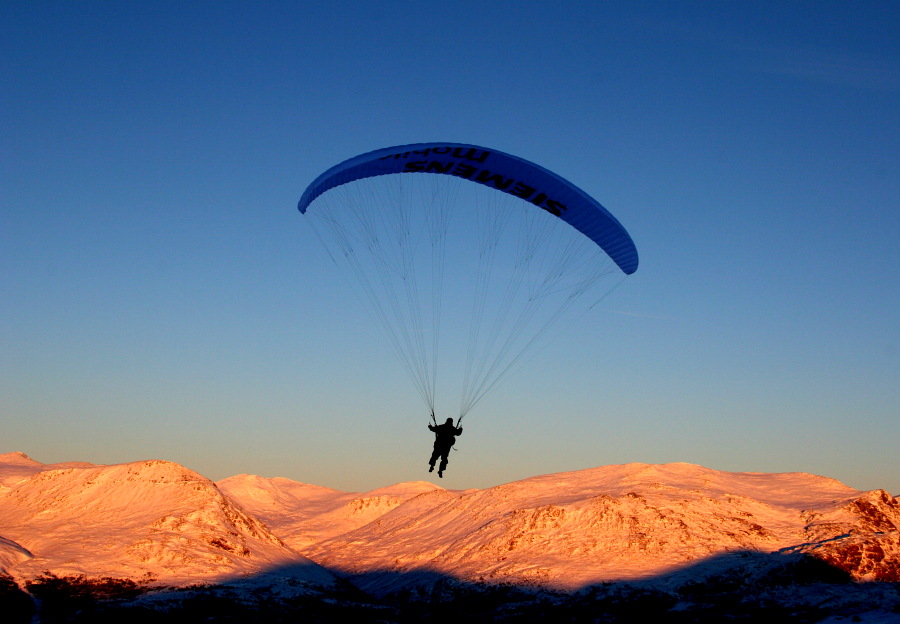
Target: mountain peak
{"x":17,"y":458}
{"x":129,"y":520}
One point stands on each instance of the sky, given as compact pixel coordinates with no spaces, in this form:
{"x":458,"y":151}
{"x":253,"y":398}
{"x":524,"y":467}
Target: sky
{"x":162,"y":297}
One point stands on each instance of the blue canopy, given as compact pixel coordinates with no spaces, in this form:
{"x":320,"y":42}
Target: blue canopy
{"x":503,"y":172}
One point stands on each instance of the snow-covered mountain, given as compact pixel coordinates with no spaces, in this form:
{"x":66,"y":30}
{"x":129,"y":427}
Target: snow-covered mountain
{"x":612,"y":523}
{"x":666,"y":527}
{"x":152,"y":521}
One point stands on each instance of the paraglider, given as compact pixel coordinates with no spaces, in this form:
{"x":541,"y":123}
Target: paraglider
{"x":487,"y":246}
{"x":444,"y":438}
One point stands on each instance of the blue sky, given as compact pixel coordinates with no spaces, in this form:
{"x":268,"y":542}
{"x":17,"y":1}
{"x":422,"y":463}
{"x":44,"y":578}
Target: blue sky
{"x":163,"y":298}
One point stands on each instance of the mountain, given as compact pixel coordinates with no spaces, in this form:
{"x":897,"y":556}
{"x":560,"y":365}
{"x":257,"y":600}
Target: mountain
{"x":674,"y":538}
{"x":615,"y":523}
{"x":154,"y":521}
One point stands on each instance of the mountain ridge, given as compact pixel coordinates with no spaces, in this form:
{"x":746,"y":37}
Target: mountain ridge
{"x":162,"y":523}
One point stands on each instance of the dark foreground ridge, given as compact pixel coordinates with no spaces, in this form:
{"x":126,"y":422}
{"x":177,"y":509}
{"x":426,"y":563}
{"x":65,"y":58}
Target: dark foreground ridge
{"x":741,"y":586}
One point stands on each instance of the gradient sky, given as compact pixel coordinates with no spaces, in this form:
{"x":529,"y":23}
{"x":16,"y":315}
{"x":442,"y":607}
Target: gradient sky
{"x":161,"y":297}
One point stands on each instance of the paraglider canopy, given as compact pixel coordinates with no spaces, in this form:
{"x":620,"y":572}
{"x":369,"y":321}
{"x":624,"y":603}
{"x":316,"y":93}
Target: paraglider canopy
{"x":504,"y":172}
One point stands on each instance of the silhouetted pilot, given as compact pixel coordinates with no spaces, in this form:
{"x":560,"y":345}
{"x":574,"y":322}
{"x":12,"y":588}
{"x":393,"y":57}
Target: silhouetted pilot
{"x":444,"y":438}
